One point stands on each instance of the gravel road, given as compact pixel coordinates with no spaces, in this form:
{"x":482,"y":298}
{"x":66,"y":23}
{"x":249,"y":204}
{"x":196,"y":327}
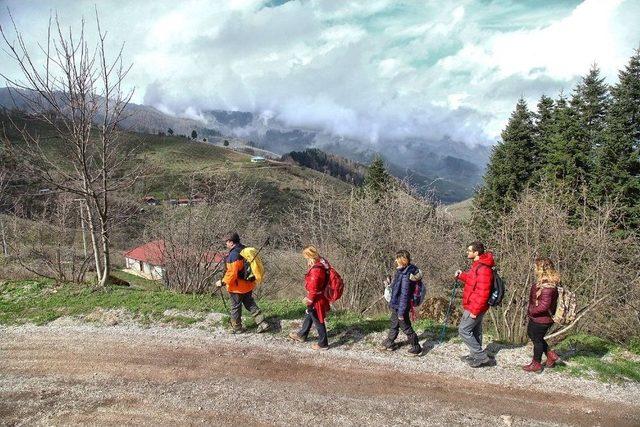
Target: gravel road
{"x":85,"y":374}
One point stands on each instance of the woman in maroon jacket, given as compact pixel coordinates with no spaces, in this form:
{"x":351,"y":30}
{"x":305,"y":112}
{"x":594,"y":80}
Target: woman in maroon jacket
{"x":317,"y":303}
{"x":543,"y":298}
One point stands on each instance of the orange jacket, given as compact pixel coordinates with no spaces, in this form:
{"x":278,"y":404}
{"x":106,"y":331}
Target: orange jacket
{"x":233,"y":266}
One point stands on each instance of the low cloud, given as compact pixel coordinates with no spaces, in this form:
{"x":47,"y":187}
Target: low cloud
{"x":372,"y":71}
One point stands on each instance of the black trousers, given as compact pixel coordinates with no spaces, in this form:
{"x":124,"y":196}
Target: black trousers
{"x":537,"y":331}
{"x":405,"y":325}
{"x":237,"y":300}
{"x":311,"y":317}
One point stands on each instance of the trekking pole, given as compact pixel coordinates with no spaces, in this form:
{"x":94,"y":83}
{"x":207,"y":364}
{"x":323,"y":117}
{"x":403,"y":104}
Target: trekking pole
{"x":446,"y":319}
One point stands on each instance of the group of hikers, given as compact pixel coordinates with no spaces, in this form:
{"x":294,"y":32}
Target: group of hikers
{"x":478,"y":281}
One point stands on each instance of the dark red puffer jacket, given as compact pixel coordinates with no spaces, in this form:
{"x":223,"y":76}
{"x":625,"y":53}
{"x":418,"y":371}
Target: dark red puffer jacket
{"x":547,"y":301}
{"x":477,"y":284}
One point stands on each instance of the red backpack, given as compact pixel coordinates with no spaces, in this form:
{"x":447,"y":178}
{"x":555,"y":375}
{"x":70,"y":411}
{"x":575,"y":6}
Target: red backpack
{"x":334,"y":285}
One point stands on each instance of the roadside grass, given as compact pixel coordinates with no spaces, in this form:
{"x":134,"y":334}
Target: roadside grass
{"x":43,"y":301}
{"x":592,"y":357}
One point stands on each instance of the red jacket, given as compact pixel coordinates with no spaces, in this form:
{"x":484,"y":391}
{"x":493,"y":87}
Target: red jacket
{"x":315,"y":281}
{"x":543,"y":311}
{"x":477,"y":284}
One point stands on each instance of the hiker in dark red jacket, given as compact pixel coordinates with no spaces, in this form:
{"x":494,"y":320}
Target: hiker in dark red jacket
{"x":543,"y":298}
{"x":477,"y":288}
{"x":317,"y":303}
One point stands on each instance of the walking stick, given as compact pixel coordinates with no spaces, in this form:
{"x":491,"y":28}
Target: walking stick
{"x":446,"y":319}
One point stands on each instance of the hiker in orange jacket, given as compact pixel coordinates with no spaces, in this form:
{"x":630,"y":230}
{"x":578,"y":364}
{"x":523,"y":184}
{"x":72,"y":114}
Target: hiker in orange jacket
{"x":239,"y":289}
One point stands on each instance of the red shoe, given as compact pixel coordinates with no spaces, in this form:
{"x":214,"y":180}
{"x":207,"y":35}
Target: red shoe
{"x":552,"y":358}
{"x":533,"y":367}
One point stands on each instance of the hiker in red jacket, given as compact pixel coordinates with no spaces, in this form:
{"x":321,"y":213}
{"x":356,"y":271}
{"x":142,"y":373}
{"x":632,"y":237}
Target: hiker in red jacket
{"x":543,"y":298}
{"x":317,"y":303}
{"x":477,"y":288}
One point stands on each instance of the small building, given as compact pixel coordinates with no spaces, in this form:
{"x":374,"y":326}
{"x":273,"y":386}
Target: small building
{"x":258,"y":159}
{"x":148,"y":260}
{"x":184,"y":201}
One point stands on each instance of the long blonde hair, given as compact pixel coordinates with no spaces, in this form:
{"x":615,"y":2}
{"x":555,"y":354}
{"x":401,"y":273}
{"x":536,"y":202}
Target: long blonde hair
{"x":546,"y":272}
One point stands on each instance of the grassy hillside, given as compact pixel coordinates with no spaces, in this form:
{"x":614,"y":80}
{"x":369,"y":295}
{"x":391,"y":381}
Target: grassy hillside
{"x":170,"y":162}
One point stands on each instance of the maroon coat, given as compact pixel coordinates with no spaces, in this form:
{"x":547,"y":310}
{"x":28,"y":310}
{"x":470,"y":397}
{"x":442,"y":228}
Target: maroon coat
{"x":542,"y":312}
{"x":315,"y":282}
{"x":477,"y":284}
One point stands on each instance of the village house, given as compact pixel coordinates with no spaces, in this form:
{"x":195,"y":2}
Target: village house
{"x":148,"y":260}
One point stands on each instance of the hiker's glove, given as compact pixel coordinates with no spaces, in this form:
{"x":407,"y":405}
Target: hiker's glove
{"x":416,"y":277}
{"x":219,"y":284}
{"x":458,"y":273}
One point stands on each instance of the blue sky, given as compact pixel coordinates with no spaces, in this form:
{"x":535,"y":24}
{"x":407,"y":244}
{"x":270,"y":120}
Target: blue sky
{"x":375,"y":70}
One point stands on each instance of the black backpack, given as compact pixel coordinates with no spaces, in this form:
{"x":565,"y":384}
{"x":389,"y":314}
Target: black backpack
{"x":497,"y":289}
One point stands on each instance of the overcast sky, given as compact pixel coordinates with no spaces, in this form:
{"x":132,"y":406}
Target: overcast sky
{"x":370,"y":69}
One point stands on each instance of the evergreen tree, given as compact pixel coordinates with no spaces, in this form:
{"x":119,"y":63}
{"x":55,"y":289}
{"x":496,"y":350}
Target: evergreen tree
{"x":543,"y":129}
{"x":618,"y":160}
{"x":511,"y":166}
{"x":170,"y":131}
{"x":194,"y":134}
{"x":567,"y":161}
{"x":377,"y":178}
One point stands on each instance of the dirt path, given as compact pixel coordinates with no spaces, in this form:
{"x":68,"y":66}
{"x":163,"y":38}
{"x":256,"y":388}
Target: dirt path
{"x":124,"y":376}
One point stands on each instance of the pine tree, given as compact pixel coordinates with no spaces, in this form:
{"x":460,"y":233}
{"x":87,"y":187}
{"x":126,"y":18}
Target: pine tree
{"x":511,"y":166}
{"x":592,"y":101}
{"x":618,"y":160}
{"x":377,"y":178}
{"x":543,"y":125}
{"x":194,"y":134}
{"x":567,"y":161}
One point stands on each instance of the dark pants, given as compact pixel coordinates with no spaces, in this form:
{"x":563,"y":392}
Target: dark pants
{"x":405,"y":324}
{"x":237,"y":300}
{"x":537,"y":331}
{"x":312,"y":317}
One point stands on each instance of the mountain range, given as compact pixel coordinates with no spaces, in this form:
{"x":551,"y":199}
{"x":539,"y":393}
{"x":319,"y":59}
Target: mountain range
{"x":450,"y":169}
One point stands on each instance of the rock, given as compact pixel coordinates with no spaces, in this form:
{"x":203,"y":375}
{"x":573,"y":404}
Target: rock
{"x":507,"y":420}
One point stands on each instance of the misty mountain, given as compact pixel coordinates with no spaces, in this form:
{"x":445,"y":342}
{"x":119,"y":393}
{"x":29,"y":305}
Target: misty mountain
{"x":449,"y":168}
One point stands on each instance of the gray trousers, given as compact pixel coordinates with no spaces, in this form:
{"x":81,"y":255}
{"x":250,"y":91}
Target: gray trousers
{"x":237,"y":300}
{"x":470,"y":331}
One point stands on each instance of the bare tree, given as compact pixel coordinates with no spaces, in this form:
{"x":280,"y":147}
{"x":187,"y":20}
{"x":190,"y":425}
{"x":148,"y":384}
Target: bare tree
{"x":596,"y":264}
{"x":48,"y":243}
{"x":77,"y":93}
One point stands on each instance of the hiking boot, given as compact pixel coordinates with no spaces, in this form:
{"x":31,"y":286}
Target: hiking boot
{"x":263,"y":327}
{"x":415,"y":350}
{"x":388,"y":345}
{"x":552,"y":358}
{"x":294,"y":336}
{"x":481,"y":363}
{"x":317,"y":346}
{"x":236,"y":327}
{"x":466,"y":358}
{"x":534,"y":366}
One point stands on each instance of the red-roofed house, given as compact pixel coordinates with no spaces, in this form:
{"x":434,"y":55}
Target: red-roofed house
{"x":148,"y":260}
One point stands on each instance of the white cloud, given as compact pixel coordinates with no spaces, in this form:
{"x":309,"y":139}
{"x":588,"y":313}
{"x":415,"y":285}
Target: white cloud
{"x":366,"y":69}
